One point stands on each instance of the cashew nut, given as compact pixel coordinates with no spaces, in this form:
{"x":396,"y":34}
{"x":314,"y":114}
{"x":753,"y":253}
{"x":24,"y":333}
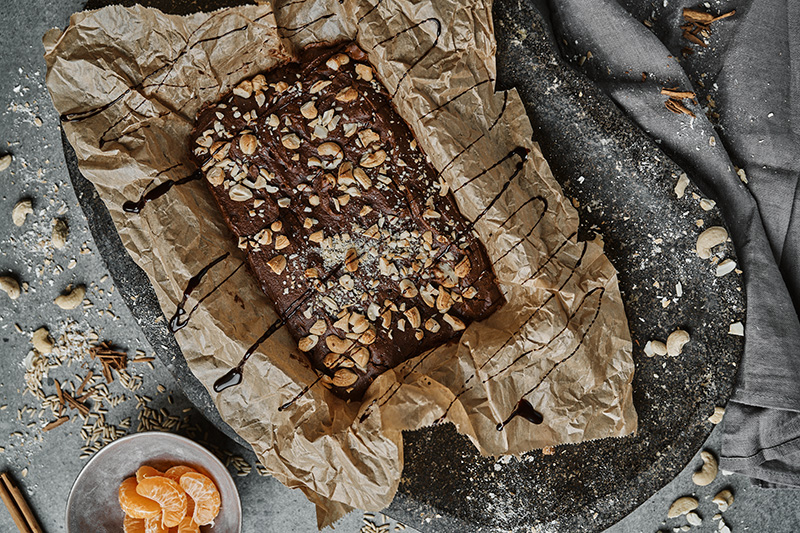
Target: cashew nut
{"x":682,"y":506}
{"x":5,"y":161}
{"x":716,"y":418}
{"x":10,"y":286}
{"x":680,"y":187}
{"x":42,"y":341}
{"x":22,"y":209}
{"x":713,"y":236}
{"x":675,"y":342}
{"x":71,"y":299}
{"x":60,"y":233}
{"x":694,"y":519}
{"x":723,"y":499}
{"x":707,"y":472}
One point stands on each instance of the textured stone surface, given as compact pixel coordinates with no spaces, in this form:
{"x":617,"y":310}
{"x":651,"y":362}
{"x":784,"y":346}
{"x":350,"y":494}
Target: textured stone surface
{"x":446,"y":486}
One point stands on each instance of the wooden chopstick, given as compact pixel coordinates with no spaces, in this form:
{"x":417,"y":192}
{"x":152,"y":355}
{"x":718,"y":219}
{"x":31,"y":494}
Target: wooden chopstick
{"x":15,"y":503}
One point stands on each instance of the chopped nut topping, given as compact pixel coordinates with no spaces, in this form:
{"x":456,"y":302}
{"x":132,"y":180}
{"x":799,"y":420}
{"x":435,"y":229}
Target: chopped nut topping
{"x":307,"y":344}
{"x":220,"y":150}
{"x":330,"y":149}
{"x":309,"y":110}
{"x":281,"y":242}
{"x":276,"y":226}
{"x":373,"y":160}
{"x":462,"y":268}
{"x":359,"y":323}
{"x":443,"y":301}
{"x":337,"y":344}
{"x":347,"y":95}
{"x":454,"y":322}
{"x":281,"y":86}
{"x":317,"y":236}
{"x":248,"y":144}
{"x":361,"y":357}
{"x":339,"y":60}
{"x":368,"y":337}
{"x":215,"y":176}
{"x":364,"y":71}
{"x":413,"y":317}
{"x":351,"y":260}
{"x":291,"y":141}
{"x":432,"y":325}
{"x":318,"y":328}
{"x":362,"y":178}
{"x":407,"y":288}
{"x":277,"y":264}
{"x":344,"y":377}
{"x":244,"y":89}
{"x":240,"y":193}
{"x":368,"y":137}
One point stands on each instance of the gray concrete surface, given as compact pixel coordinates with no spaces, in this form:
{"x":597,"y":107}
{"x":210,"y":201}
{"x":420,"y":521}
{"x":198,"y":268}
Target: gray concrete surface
{"x":45,"y":463}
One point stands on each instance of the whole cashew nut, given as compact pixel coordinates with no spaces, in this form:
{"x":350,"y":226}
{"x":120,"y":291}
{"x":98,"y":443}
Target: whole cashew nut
{"x":710,"y":238}
{"x":675,"y":342}
{"x":723,"y":499}
{"x":71,"y":299}
{"x":707,"y":472}
{"x":682,"y":506}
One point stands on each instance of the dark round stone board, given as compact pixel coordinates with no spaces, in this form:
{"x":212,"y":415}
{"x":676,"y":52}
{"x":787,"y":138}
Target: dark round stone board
{"x":623,"y":185}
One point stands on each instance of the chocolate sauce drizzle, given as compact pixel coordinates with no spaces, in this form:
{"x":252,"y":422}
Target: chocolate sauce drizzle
{"x":175,"y":323}
{"x":420,"y":58}
{"x":157,"y":192}
{"x":525,"y":410}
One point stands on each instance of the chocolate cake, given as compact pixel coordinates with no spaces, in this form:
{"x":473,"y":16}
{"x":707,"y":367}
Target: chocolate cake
{"x":349,"y":229}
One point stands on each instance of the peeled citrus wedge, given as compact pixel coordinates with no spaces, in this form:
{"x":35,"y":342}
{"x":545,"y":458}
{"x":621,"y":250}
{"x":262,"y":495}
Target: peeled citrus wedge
{"x":154,"y":525}
{"x":176,"y":472}
{"x":134,"y":504}
{"x":133,"y":525}
{"x":146,"y":471}
{"x":169,"y":496}
{"x":205,"y":496}
{"x":188,"y":525}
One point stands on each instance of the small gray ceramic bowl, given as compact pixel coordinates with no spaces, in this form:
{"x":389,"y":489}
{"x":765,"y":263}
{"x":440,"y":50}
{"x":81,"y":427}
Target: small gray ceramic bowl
{"x":93,"y":503}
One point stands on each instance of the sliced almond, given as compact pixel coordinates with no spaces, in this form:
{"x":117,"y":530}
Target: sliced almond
{"x":307,"y":343}
{"x":337,"y":344}
{"x":277,"y":264}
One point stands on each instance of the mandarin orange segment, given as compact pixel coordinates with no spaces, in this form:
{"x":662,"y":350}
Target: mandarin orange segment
{"x":205,"y":495}
{"x":188,"y":525}
{"x":146,"y":471}
{"x":176,"y":472}
{"x":133,"y":525}
{"x":154,"y":525}
{"x":168,"y":494}
{"x":134,"y":504}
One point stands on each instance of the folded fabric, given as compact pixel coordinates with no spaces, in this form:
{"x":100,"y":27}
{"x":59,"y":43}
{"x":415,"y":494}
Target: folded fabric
{"x":747,"y":78}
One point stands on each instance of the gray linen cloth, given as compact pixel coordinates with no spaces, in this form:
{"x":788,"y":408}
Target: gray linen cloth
{"x":751,"y":71}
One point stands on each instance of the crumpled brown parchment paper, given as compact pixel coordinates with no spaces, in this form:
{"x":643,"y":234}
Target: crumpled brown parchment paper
{"x":128,"y":82}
